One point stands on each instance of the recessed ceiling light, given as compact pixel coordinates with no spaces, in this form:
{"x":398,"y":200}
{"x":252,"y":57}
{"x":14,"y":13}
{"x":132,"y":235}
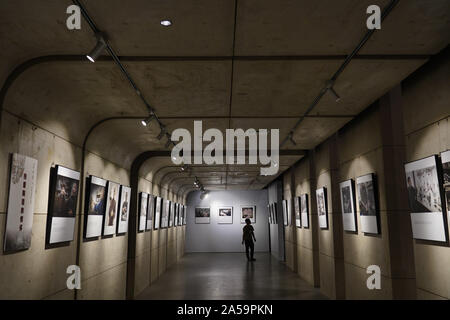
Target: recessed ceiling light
{"x":166,"y":23}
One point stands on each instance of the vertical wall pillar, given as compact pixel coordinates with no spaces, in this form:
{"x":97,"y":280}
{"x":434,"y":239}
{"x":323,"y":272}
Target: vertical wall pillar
{"x":313,"y":219}
{"x":293,"y":226}
{"x":401,"y":250}
{"x":336,"y":224}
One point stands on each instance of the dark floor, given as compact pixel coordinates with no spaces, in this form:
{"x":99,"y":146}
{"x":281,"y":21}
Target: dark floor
{"x":228,"y":276}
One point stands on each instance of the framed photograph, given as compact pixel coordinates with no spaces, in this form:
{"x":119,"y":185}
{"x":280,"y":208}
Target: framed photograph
{"x":95,"y":207}
{"x":285,"y":213}
{"x":19,"y":218}
{"x":179,"y":215}
{"x":445,"y":159}
{"x":202,"y":215}
{"x":143,"y":211}
{"x":177,"y":212}
{"x":171,"y":214}
{"x":322,"y":207}
{"x":347,"y":190}
{"x":425,"y":199}
{"x":185,"y":215}
{"x":150,"y":212}
{"x":367,"y":204}
{"x":298,"y":218}
{"x":124,"y":210}
{"x":112,"y":208}
{"x":158,"y":207}
{"x":165,"y":213}
{"x":269,"y":211}
{"x":304,"y":206}
{"x":63,"y":205}
{"x":225,"y":215}
{"x":248,"y":212}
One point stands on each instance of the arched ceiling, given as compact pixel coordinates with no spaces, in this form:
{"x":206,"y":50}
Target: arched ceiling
{"x":258,"y":67}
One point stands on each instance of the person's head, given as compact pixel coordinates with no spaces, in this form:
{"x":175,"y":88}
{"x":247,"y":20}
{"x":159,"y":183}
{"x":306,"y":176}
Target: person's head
{"x":248,"y":221}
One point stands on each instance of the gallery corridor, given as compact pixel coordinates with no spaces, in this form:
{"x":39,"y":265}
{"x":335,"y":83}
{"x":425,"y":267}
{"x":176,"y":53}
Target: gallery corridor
{"x":228,"y":276}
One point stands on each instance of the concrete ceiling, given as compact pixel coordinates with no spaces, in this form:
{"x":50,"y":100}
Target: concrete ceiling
{"x":258,"y":67}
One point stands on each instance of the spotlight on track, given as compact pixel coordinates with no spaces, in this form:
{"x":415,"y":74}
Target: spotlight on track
{"x":146,"y":122}
{"x":98,"y":49}
{"x":338,"y":98}
{"x":291,"y":138}
{"x":204,"y":194}
{"x":184,"y":168}
{"x":329,"y":87}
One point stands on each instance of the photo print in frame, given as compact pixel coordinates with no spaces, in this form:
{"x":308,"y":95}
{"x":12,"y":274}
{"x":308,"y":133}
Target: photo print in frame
{"x":248,"y":212}
{"x":367,"y":203}
{"x":202,"y":215}
{"x":225,"y":215}
{"x":21,"y":199}
{"x":112,"y":208}
{"x":63,"y":205}
{"x":95,"y":207}
{"x":347,"y":193}
{"x":124,"y":210}
{"x":143,"y":211}
{"x":322,"y":207}
{"x":304,"y":207}
{"x":425,"y":199}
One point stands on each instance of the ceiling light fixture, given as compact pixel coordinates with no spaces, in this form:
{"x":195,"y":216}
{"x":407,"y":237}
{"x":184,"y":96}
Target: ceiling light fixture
{"x":291,"y":138}
{"x":98,"y":49}
{"x":329,"y":87}
{"x":146,"y":122}
{"x":166,"y":23}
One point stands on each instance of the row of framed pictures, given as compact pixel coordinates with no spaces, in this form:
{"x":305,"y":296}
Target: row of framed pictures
{"x":158,"y":213}
{"x":225,"y":214}
{"x":107,"y":206}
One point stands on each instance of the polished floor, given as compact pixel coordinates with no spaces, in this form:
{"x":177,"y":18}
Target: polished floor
{"x":228,"y":276}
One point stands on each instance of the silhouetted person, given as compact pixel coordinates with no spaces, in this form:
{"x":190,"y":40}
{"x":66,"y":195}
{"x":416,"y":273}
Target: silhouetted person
{"x":248,"y":237}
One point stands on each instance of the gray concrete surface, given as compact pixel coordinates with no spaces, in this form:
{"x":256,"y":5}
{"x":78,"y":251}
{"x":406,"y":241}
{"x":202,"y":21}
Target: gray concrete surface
{"x":229,"y":276}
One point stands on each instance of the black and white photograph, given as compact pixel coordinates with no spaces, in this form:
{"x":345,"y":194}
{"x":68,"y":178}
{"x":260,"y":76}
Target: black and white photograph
{"x":143,"y":211}
{"x":225,"y":215}
{"x":171,"y":213}
{"x":248,"y":212}
{"x":165,"y":212}
{"x":112,"y":209}
{"x":298,"y":221}
{"x":322,"y":209}
{"x":367,"y":205}
{"x":445,"y":159}
{"x":19,"y":216}
{"x":269,"y":210}
{"x":150,"y":212}
{"x":304,"y":206}
{"x":348,"y":205}
{"x":185,"y":215}
{"x":424,"y":197}
{"x":95,"y":207}
{"x":285,"y":213}
{"x":158,"y":207}
{"x":202,"y":215}
{"x":181,"y":222}
{"x":177,"y":213}
{"x":124,"y":210}
{"x":63,"y":208}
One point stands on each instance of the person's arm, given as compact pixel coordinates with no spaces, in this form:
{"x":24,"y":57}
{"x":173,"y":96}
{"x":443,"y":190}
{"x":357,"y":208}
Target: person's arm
{"x":243,"y":233}
{"x":253,"y":234}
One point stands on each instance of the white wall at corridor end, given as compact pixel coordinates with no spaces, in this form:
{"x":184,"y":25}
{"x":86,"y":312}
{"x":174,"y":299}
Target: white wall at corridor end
{"x":215,"y":237}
